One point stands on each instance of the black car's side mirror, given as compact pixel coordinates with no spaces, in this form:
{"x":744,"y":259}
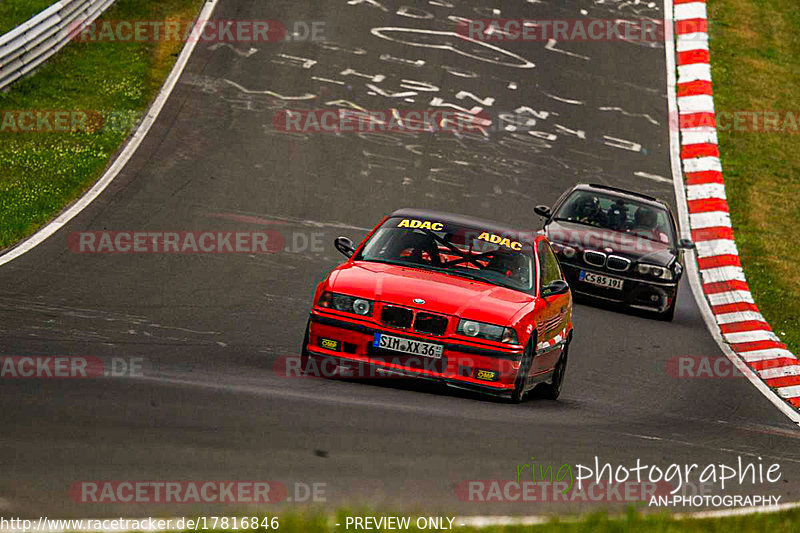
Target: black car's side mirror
{"x":542,"y":210}
{"x":558,"y":286}
{"x":345,"y":246}
{"x":686,"y":244}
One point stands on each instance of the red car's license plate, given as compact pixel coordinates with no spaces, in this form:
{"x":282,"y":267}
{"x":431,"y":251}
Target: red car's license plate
{"x":409,"y":346}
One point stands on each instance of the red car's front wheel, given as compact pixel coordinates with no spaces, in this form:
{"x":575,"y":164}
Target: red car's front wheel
{"x":551,"y":391}
{"x":521,"y":383}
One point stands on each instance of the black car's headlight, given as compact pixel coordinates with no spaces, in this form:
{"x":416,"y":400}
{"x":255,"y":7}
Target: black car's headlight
{"x":655,"y":271}
{"x":348,"y":304}
{"x":482,"y":330}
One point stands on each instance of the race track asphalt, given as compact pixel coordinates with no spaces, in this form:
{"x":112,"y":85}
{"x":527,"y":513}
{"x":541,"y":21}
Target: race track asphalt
{"x":209,"y":328}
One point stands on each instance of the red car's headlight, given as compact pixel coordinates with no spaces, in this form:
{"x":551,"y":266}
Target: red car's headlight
{"x":348,"y":304}
{"x":472,"y":328}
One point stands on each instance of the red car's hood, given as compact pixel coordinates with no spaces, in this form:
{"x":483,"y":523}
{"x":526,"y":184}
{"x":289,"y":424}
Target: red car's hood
{"x":442,"y":293}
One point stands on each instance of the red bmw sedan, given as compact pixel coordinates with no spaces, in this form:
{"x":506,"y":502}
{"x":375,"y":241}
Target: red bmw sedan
{"x":468,"y":302}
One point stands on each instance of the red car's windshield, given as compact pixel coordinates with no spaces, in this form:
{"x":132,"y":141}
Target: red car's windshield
{"x":473,"y":252}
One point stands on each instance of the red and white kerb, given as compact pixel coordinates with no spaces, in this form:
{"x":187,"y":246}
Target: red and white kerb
{"x":724,"y":284}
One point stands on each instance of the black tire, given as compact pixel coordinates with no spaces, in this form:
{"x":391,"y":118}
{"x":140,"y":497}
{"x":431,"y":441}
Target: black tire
{"x":305,"y":356}
{"x":551,"y":391}
{"x":518,"y":394}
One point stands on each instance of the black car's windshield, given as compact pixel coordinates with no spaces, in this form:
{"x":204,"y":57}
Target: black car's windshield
{"x":619,"y":214}
{"x":470,"y":252}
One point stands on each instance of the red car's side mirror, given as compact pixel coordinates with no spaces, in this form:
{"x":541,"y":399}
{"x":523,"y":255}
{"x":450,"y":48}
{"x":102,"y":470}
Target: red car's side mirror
{"x":345,"y":246}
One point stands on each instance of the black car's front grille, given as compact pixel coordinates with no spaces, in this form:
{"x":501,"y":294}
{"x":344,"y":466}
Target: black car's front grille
{"x":402,"y":317}
{"x":594,"y":258}
{"x":428,"y":323}
{"x":399,"y":317}
{"x":615,"y":262}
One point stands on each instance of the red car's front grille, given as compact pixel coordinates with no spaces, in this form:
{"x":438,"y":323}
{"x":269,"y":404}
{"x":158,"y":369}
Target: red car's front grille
{"x":402,"y":317}
{"x":428,"y":323}
{"x":398,"y":317}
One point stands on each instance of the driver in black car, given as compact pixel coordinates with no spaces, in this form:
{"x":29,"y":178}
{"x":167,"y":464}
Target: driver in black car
{"x":618,"y":216}
{"x":588,"y":211}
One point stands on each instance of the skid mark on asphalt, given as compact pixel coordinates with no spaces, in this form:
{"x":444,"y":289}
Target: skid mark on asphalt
{"x":759,"y":455}
{"x":60,"y":322}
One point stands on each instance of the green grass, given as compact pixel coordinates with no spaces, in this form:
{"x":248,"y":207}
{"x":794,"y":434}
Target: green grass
{"x":15,"y":12}
{"x":755,"y":58}
{"x":40,"y":173}
{"x":632,"y":522}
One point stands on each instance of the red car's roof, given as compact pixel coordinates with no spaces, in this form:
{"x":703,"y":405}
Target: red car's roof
{"x":460,"y":220}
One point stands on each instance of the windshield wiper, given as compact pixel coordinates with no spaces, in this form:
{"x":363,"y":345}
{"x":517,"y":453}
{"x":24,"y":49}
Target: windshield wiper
{"x":582,"y":223}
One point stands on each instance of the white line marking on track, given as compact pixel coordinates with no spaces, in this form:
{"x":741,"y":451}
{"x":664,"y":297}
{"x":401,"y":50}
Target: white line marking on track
{"x":789,"y":392}
{"x":692,"y":10}
{"x":702,"y":164}
{"x":654,"y":177}
{"x":731,"y":297}
{"x":692,"y":41}
{"x":717,"y":247}
{"x":765,"y":355}
{"x":702,"y":135}
{"x":780,"y":371}
{"x":704,"y":191}
{"x":645,"y":116}
{"x":726,"y":273}
{"x":739,"y":316}
{"x":693,"y":72}
{"x":698,"y":103}
{"x":713,"y":219}
{"x":751,"y":336}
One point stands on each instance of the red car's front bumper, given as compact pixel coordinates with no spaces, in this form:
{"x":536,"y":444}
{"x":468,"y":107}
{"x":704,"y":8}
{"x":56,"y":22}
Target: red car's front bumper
{"x":484,"y":367}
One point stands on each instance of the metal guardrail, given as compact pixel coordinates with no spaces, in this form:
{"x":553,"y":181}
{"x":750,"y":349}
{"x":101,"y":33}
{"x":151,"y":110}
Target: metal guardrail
{"x":30,"y":44}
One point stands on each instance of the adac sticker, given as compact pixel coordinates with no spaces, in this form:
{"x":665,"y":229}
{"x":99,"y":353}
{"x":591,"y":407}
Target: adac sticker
{"x":420,"y":224}
{"x":501,"y":241}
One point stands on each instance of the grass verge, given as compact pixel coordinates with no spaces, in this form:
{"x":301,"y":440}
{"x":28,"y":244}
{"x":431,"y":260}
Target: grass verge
{"x":15,"y":12}
{"x":755,"y":62}
{"x":779,"y":522}
{"x":41,"y":172}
